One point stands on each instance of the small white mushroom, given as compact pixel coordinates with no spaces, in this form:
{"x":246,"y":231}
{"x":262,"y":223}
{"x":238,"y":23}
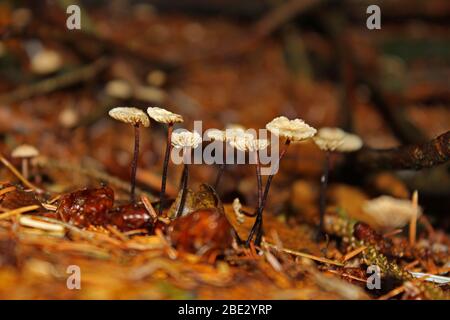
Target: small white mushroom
{"x":25,"y":152}
{"x":135,"y":117}
{"x":248,"y":143}
{"x":186,"y":139}
{"x":216,"y":135}
{"x":119,"y":89}
{"x":351,"y":143}
{"x":386,"y":213}
{"x":156,"y":78}
{"x":130,"y":115}
{"x":293,"y":130}
{"x":329,"y":139}
{"x":46,"y":61}
{"x":164,"y":116}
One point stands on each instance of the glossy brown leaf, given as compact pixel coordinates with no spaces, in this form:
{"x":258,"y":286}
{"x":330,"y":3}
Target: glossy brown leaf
{"x":86,"y":207}
{"x":201,"y":231}
{"x":130,"y":217}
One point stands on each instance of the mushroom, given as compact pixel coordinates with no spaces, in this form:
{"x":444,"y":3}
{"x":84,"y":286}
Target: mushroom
{"x":248,"y":143}
{"x":46,"y":61}
{"x":220,"y":136}
{"x":187,"y":141}
{"x":164,"y":116}
{"x":135,"y":117}
{"x":25,"y":152}
{"x":386,"y":213}
{"x":330,"y":140}
{"x":231,"y":132}
{"x":292,"y":131}
{"x":119,"y":89}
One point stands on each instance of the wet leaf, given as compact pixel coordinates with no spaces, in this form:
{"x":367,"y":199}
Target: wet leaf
{"x":201,"y":232}
{"x":86,"y":207}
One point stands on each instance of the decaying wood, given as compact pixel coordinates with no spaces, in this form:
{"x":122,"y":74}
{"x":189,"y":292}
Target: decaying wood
{"x":415,"y":157}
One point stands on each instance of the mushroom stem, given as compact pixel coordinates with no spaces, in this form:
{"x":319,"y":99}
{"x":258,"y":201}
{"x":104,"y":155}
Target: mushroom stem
{"x":219,"y":175}
{"x":134,"y":163}
{"x":25,"y":168}
{"x":165,"y":168}
{"x":258,"y":178}
{"x":258,"y":225}
{"x":323,"y":191}
{"x":413,"y":222}
{"x":184,"y":183}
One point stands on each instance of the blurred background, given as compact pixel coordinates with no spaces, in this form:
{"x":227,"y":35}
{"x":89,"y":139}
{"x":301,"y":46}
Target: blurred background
{"x":229,"y":62}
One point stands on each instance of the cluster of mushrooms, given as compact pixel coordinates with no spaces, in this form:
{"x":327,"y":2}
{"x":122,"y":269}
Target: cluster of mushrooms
{"x":329,"y":140}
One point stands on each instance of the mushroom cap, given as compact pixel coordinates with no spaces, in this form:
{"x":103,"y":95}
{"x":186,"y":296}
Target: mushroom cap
{"x":248,"y":143}
{"x":329,"y":139}
{"x":186,"y":139}
{"x":234,"y":131}
{"x":216,"y":135}
{"x":25,"y":151}
{"x":119,"y":89}
{"x":295,"y":130}
{"x":130,"y":115}
{"x":46,"y":61}
{"x":351,"y":143}
{"x":388,"y":213}
{"x":163,"y":115}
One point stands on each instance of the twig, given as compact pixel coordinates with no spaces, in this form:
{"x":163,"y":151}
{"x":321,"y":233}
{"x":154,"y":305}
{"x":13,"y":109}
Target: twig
{"x":416,"y":157}
{"x":27,"y":183}
{"x":304,"y":255}
{"x":55,"y":83}
{"x":17,"y":211}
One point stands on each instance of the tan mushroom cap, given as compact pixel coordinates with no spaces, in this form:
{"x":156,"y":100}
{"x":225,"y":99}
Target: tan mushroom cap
{"x":351,"y":143}
{"x":248,"y":143}
{"x":216,"y":135}
{"x":25,"y":151}
{"x":46,"y":61}
{"x":387,"y":213}
{"x":119,"y":88}
{"x":329,"y":139}
{"x":130,"y":115}
{"x":163,"y":115}
{"x":295,"y":130}
{"x":186,"y":139}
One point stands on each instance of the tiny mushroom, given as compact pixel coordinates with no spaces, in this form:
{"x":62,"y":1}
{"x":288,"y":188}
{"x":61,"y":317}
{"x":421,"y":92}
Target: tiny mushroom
{"x":248,"y":143}
{"x":386,"y":213}
{"x":219,"y":136}
{"x":119,"y":89}
{"x":331,"y":140}
{"x":293,"y":131}
{"x":187,"y":141}
{"x":25,"y":152}
{"x":164,"y":116}
{"x":46,"y":61}
{"x":135,"y":117}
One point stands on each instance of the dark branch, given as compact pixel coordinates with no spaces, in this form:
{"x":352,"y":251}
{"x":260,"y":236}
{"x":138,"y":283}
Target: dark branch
{"x":415,"y":157}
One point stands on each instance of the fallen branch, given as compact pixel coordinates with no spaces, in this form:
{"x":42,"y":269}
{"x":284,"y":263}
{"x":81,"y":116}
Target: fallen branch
{"x":58,"y":82}
{"x":416,"y":157}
